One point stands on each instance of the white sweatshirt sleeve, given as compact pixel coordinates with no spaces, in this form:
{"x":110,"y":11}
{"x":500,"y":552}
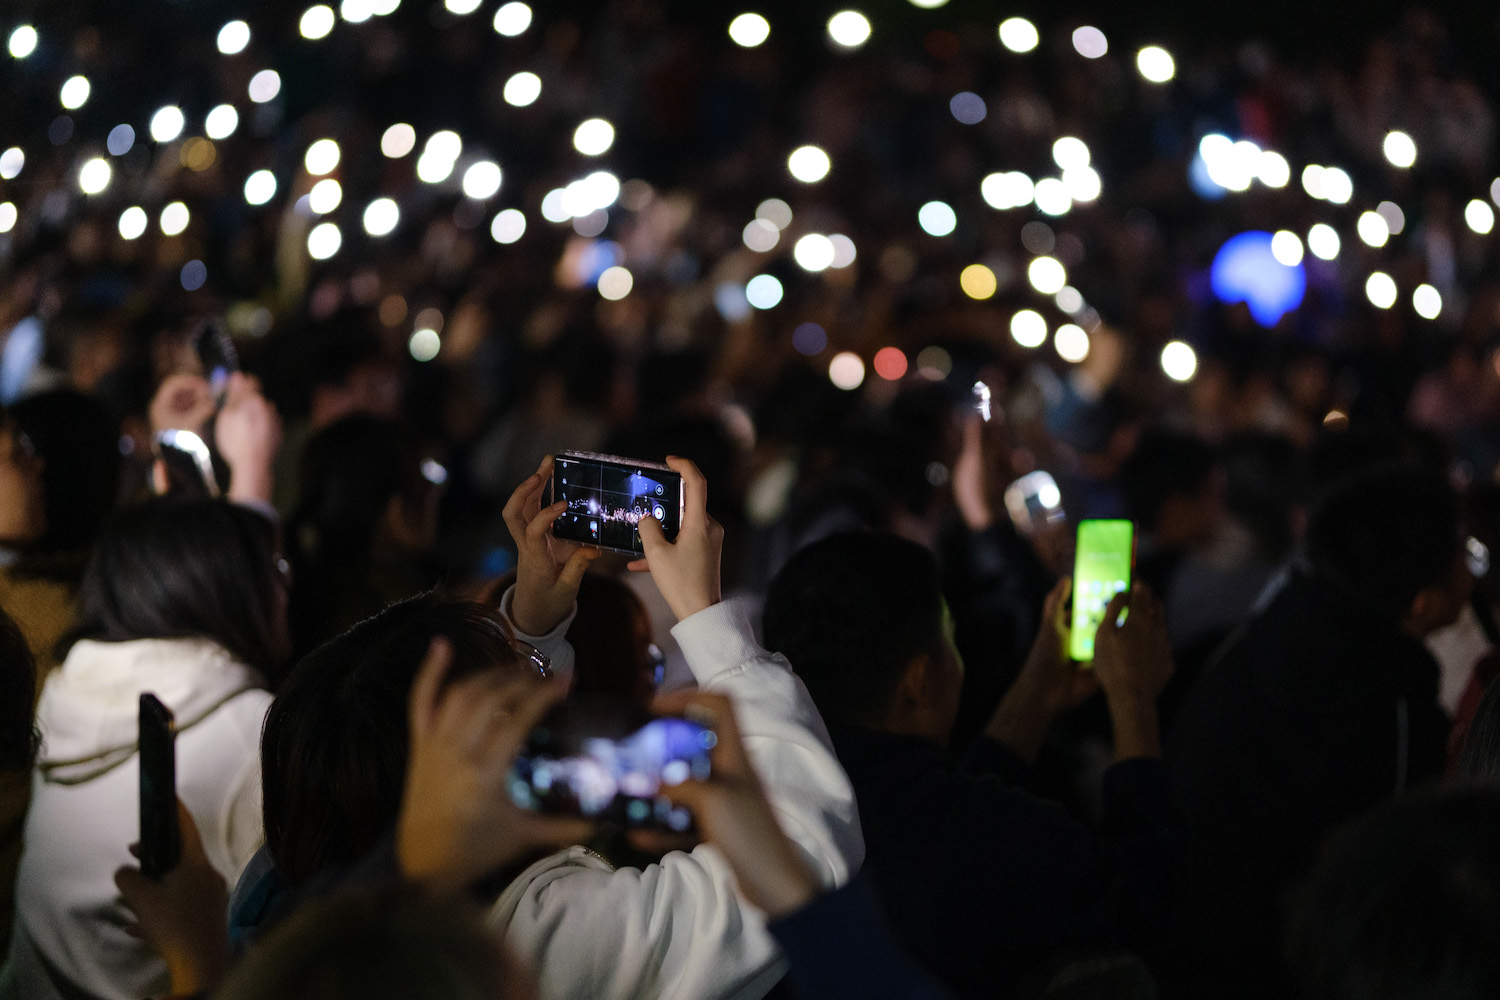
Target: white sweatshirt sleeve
{"x":679,"y":928}
{"x":554,"y":645}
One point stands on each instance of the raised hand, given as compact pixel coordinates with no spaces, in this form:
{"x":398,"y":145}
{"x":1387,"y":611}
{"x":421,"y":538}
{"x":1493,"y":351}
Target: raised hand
{"x":247,"y":434}
{"x":686,"y":571}
{"x":1133,"y":660}
{"x":548,"y":569}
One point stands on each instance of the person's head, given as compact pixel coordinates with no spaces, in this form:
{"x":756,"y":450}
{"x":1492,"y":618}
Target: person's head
{"x":388,"y":944}
{"x":80,"y":443}
{"x":334,"y":749}
{"x":1405,"y":903}
{"x":860,"y":616}
{"x":18,"y":735}
{"x":611,"y":637}
{"x":23,"y":511}
{"x":178,"y":569}
{"x":1480,"y":761}
{"x":1173,"y":488}
{"x":1387,"y":539}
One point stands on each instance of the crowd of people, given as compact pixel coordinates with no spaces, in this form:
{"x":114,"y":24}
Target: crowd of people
{"x":1275,"y":776}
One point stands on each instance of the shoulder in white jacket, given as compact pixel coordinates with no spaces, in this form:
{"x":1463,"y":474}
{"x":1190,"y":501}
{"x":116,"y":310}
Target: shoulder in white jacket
{"x":678,"y":928}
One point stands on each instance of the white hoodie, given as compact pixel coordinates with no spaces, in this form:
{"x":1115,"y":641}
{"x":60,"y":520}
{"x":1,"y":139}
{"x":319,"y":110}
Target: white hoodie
{"x":69,"y":939}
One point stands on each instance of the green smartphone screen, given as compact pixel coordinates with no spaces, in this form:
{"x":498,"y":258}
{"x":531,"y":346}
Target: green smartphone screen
{"x":1102,"y":570}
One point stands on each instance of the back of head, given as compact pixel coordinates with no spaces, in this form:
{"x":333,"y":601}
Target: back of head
{"x":1165,"y":464}
{"x":611,"y":639}
{"x":18,"y":735}
{"x":79,"y":441}
{"x":349,"y":473}
{"x":850,"y":613}
{"x":1382,"y":535}
{"x":174,"y":569}
{"x":1480,"y":760}
{"x":333,"y":752}
{"x":1405,"y":903}
{"x":391,"y":944}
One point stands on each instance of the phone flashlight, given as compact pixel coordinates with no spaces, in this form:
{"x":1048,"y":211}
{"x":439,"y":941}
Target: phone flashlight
{"x":982,"y":401}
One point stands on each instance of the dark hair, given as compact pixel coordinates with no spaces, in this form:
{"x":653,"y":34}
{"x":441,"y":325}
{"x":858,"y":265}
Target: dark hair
{"x":349,"y":472}
{"x":1165,"y":464}
{"x":611,"y":639}
{"x":176,"y":569}
{"x":1480,"y":759}
{"x":333,"y":752}
{"x":1405,"y":903}
{"x":1383,"y":535}
{"x":80,"y":443}
{"x":18,"y":735}
{"x":850,"y":613}
{"x":386,"y":944}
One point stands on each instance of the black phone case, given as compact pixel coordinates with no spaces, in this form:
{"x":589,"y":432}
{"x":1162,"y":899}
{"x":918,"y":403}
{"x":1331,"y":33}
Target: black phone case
{"x":161,"y":837}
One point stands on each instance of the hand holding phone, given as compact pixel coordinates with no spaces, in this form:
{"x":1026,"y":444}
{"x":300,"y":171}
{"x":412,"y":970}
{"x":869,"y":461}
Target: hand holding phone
{"x":686,"y":570}
{"x":161,"y":839}
{"x":1105,"y":555}
{"x":549,"y":569}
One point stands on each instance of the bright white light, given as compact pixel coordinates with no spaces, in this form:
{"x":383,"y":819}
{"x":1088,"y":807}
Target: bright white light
{"x":433,"y":169}
{"x":555,"y":206}
{"x":1323,"y":241}
{"x":1380,"y":289}
{"x":937,"y":218}
{"x":512,"y":19}
{"x":444,"y":145}
{"x":356,"y":11}
{"x":1009,"y":190}
{"x":1179,"y":361}
{"x":1373,"y":229}
{"x":424,"y":344}
{"x":324,"y":241}
{"x":763,"y":291}
{"x":775,"y":211}
{"x":849,"y":28}
{"x":928,"y":4}
{"x":1070,"y":152}
{"x":844,"y":251}
{"x":381,"y":217}
{"x":264,"y":86}
{"x":1018,"y":34}
{"x":1400,"y":150}
{"x":381,"y":8}
{"x":1156,"y":65}
{"x":325,"y":196}
{"x":1479,"y":216}
{"x":316,"y":22}
{"x":1052,"y":196}
{"x":1231,"y":165}
{"x":1028,"y":329}
{"x":174,"y":218}
{"x":482,"y":180}
{"x":509,"y":226}
{"x":260,"y":187}
{"x":1069,"y":300}
{"x":615,"y":283}
{"x":594,"y":137}
{"x":398,"y":140}
{"x":522,"y":90}
{"x":94,"y":176}
{"x":1083,"y":183}
{"x":1427,"y":301}
{"x":1047,"y":275}
{"x":808,"y":164}
{"x":813,"y":252}
{"x":322,"y":156}
{"x":8,"y":216}
{"x":11,"y":162}
{"x":75,"y":92}
{"x":1273,"y":170}
{"x":1394,"y":218}
{"x":133,"y":222}
{"x":166,"y":124}
{"x":1286,"y":248}
{"x":1090,"y":42}
{"x":221,"y":122}
{"x":1071,"y":342}
{"x":749,"y":30}
{"x":761,"y":236}
{"x":1337,"y":186}
{"x":23,"y":41}
{"x":233,"y":38}
{"x":462,"y":7}
{"x":1495,"y":190}
{"x":600,"y":189}
{"x":846,"y":370}
{"x":1312,"y":181}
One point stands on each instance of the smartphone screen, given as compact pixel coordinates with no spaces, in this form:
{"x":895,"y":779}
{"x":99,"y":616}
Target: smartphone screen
{"x":608,"y":496}
{"x":1106,"y":550}
{"x":599,"y":764}
{"x":161,"y":838}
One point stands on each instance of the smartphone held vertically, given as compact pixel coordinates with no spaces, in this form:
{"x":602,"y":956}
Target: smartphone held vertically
{"x":608,"y":762}
{"x":188,"y":462}
{"x":1034,"y":502}
{"x":216,"y":354}
{"x":607,"y":496}
{"x":161,"y":836}
{"x":1106,"y":553}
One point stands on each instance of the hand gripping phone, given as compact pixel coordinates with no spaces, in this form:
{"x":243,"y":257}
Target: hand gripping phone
{"x":161,"y":837}
{"x":1106,"y":552}
{"x":607,"y":761}
{"x":217,"y":355}
{"x":608,"y":495}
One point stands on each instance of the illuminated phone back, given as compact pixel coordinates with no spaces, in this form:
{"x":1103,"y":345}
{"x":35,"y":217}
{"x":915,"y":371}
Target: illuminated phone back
{"x":1106,"y":550}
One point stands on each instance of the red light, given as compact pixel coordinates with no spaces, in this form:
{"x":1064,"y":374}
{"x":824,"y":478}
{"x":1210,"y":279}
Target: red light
{"x":890,"y":363}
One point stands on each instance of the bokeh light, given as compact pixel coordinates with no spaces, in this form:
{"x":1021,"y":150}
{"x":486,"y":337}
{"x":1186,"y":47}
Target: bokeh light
{"x":325,"y":196}
{"x":133,"y":222}
{"x":22,"y":41}
{"x":1179,"y":361}
{"x":1247,"y":269}
{"x":233,"y":38}
{"x":324,"y":241}
{"x":978,"y":281}
{"x":808,"y":164}
{"x":763,"y":291}
{"x":1395,"y":219}
{"x":968,"y":107}
{"x":1372,"y":229}
{"x":94,"y":175}
{"x":1323,"y":241}
{"x":75,"y":92}
{"x":11,"y":162}
{"x":193,"y":276}
{"x":749,"y":30}
{"x":167,"y":123}
{"x":809,"y":339}
{"x":322,"y":157}
{"x":813,"y":252}
{"x":482,"y":180}
{"x":1338,"y":187}
{"x":398,"y":141}
{"x":1273,"y":170}
{"x":462,"y":8}
{"x":847,"y":371}
{"x":1427,"y":301}
{"x":264,"y":86}
{"x":1070,"y":151}
{"x":509,"y":226}
{"x":890,"y":363}
{"x":1052,"y":197}
{"x":1019,"y":35}
{"x":1047,"y":275}
{"x":512,"y":19}
{"x":1380,"y":289}
{"x":221,"y":122}
{"x":849,"y":29}
{"x":1083,"y":184}
{"x":1480,"y":216}
{"x":775,"y":211}
{"x":1071,"y":342}
{"x":1090,"y":42}
{"x":844,"y":250}
{"x":357,"y":11}
{"x":8,"y":216}
{"x":937,"y":218}
{"x":522,"y":90}
{"x":174,"y":218}
{"x":615,"y":283}
{"x":1156,"y":64}
{"x":1400,"y":150}
{"x":424,"y":344}
{"x":934,"y":363}
{"x":1007,"y":190}
{"x":1069,"y":300}
{"x":381,"y":217}
{"x":594,"y":137}
{"x":316,"y":22}
{"x":121,"y":140}
{"x":1028,"y":328}
{"x":1286,"y":248}
{"x":761,"y":236}
{"x":260,"y":187}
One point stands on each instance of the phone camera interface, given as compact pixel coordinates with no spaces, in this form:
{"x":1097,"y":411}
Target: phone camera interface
{"x":606,"y":503}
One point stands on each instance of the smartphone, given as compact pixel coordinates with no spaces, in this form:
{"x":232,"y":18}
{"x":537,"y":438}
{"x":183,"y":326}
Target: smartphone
{"x":981,"y":395}
{"x":161,"y":837}
{"x":607,"y":761}
{"x":1106,"y":552}
{"x":608,"y":495}
{"x":1034,"y":501}
{"x":189,"y":464}
{"x":216,"y":354}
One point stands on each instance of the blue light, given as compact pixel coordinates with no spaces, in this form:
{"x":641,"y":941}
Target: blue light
{"x":1198,"y":176}
{"x":1245,"y":270}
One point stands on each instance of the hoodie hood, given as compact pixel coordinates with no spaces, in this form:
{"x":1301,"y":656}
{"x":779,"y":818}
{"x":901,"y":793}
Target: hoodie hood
{"x":89,"y":713}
